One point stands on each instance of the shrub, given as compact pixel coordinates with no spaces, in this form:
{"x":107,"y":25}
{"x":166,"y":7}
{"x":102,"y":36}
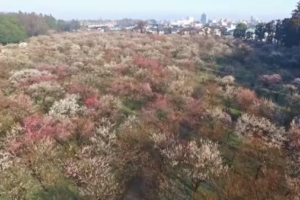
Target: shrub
{"x":6,"y":160}
{"x":25,"y":75}
{"x":268,"y":109}
{"x":246,"y":98}
{"x":182,"y":86}
{"x":218,"y":114}
{"x":91,"y":101}
{"x":228,"y":80}
{"x":270,"y":79}
{"x":45,"y":93}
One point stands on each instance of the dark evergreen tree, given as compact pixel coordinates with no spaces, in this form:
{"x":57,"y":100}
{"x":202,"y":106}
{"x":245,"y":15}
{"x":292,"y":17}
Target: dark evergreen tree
{"x":290,"y":32}
{"x":240,"y":31}
{"x":278,"y":31}
{"x":74,"y":25}
{"x":296,"y":12}
{"x":270,"y":30}
{"x":292,"y":28}
{"x":260,"y":30}
{"x":51,"y":21}
{"x":63,"y":26}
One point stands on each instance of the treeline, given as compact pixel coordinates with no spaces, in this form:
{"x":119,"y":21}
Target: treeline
{"x":285,"y":32}
{"x":15,"y":27}
{"x":288,"y":30}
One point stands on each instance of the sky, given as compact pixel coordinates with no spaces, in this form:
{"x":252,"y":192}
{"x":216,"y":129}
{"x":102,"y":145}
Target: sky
{"x":154,"y":9}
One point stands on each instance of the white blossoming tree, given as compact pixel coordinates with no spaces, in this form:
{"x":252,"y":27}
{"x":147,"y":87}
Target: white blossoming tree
{"x":26,"y":73}
{"x":65,"y":108}
{"x":93,"y":171}
{"x":45,"y":93}
{"x":198,"y":161}
{"x":252,"y":126}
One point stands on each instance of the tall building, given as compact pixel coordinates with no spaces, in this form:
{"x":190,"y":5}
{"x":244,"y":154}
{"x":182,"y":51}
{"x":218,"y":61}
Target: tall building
{"x":203,"y":18}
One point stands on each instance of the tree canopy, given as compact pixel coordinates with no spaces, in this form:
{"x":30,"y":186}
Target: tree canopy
{"x":10,"y":30}
{"x":285,"y":32}
{"x":15,"y":27}
{"x":260,"y":31}
{"x":240,"y":31}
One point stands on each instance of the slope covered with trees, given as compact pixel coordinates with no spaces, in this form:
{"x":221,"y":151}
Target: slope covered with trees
{"x":135,"y":116}
{"x":109,"y":116}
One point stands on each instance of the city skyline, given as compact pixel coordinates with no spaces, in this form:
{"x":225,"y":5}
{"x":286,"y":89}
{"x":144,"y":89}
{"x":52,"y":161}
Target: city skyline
{"x":167,"y":9}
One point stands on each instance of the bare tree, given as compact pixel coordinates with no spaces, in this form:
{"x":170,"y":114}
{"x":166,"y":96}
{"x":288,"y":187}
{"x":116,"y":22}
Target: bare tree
{"x":141,"y":26}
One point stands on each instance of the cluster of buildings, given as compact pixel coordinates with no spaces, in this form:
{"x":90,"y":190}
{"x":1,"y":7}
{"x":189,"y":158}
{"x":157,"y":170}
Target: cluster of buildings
{"x":183,"y":22}
{"x":187,"y":25}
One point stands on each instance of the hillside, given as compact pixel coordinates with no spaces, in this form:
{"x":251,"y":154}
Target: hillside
{"x":105,"y":116}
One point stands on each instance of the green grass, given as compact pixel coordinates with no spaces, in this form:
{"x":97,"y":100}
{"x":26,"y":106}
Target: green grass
{"x":127,"y":111}
{"x":235,"y":114}
{"x":57,"y":193}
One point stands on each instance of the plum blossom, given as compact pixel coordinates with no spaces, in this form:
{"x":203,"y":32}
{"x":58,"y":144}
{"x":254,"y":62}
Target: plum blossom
{"x":65,"y":108}
{"x":252,"y":126}
{"x":199,"y":162}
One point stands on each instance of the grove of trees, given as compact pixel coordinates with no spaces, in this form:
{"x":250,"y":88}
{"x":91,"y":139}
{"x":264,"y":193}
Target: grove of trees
{"x":135,"y":116}
{"x":285,"y":32}
{"x":15,"y":27}
{"x":10,"y":30}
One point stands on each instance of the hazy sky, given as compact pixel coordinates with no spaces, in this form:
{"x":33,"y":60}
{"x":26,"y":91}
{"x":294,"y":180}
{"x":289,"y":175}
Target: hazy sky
{"x":157,"y":9}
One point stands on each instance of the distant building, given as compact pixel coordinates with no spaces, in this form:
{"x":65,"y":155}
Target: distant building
{"x":213,"y":22}
{"x":198,"y":24}
{"x":254,"y":20}
{"x":231,"y":26}
{"x":183,"y":22}
{"x":243,"y":22}
{"x":190,"y":19}
{"x":203,"y":18}
{"x":223,"y":22}
{"x":99,"y":25}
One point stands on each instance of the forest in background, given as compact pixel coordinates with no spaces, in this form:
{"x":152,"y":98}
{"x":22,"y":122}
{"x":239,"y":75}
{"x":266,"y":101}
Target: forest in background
{"x":16,"y":27}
